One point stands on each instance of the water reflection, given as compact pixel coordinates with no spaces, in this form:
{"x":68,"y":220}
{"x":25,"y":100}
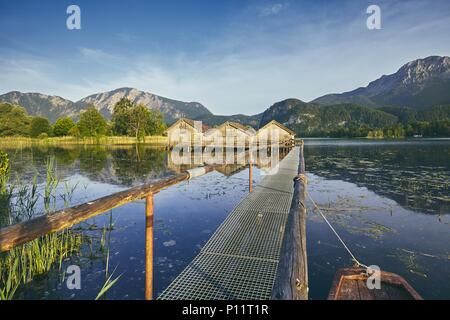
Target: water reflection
{"x":413,"y":173}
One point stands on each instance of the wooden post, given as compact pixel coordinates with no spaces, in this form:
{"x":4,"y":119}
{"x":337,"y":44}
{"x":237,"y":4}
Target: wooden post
{"x":250,"y":174}
{"x":291,"y":282}
{"x":149,"y":247}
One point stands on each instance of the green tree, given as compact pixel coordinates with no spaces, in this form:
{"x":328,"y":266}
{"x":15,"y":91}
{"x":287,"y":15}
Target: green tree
{"x":92,"y":123}
{"x":74,"y":132}
{"x":136,"y":120}
{"x":139,"y":121}
{"x":39,"y":125}
{"x":121,"y":117}
{"x":14,"y":120}
{"x":62,"y":126}
{"x":156,"y":124}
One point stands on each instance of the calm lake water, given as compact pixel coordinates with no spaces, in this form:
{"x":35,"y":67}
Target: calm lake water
{"x":389,"y":200}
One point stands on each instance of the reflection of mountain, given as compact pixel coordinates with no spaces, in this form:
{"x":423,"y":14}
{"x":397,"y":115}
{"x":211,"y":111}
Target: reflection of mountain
{"x":416,"y":177}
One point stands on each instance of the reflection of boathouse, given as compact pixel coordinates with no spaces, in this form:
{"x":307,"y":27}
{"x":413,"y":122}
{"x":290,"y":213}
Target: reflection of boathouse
{"x":263,"y":160}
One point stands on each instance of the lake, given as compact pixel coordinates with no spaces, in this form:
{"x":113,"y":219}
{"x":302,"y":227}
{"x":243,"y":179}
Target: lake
{"x":389,"y":200}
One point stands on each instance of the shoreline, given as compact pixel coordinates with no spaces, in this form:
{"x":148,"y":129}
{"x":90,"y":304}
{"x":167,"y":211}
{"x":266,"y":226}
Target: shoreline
{"x":105,"y":140}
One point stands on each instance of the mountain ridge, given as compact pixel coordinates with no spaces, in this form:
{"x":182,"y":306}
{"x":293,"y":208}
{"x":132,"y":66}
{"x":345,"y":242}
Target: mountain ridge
{"x":418,"y":84}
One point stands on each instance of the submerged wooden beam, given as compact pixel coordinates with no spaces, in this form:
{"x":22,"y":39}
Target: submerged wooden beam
{"x":149,"y":247}
{"x":23,"y":232}
{"x":250,"y":175}
{"x":291,"y":282}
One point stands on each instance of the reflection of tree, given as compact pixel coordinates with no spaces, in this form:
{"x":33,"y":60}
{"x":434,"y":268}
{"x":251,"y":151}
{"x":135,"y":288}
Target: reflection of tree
{"x":66,"y":156}
{"x":93,"y":159}
{"x":415,"y":176}
{"x":138,"y":164}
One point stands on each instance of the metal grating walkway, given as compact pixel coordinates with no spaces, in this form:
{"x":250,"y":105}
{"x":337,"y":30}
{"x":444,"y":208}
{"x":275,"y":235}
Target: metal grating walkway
{"x":240,"y":260}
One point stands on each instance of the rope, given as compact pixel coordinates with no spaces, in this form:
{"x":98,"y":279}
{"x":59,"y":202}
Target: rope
{"x":359,"y":264}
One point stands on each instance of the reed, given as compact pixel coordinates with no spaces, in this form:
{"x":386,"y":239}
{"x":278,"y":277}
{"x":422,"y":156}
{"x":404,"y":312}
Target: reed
{"x":51,"y":183}
{"x":21,"y":264}
{"x":22,"y":142}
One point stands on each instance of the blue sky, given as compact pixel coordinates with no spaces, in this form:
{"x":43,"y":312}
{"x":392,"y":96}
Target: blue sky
{"x":232,"y":56}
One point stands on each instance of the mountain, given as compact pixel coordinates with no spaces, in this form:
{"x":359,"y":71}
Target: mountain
{"x":54,"y":107}
{"x":419,"y":84}
{"x":310,"y":119}
{"x":38,"y":104}
{"x":407,"y":115}
{"x":215,"y":120}
{"x":172,"y":109}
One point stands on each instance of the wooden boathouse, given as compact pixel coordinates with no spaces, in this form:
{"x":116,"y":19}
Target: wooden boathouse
{"x":187,"y":130}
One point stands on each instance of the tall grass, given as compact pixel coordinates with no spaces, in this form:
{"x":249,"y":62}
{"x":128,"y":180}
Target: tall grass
{"x":22,"y":263}
{"x":14,"y":142}
{"x":51,"y":182}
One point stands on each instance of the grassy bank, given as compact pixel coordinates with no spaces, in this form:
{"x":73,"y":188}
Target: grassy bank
{"x":115,"y":140}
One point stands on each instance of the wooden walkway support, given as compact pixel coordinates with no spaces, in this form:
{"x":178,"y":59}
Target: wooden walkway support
{"x":149,"y":247}
{"x":292,"y":278}
{"x":241,"y":259}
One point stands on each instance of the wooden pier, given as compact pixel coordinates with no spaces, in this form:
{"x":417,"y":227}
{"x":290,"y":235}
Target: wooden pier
{"x":259,"y":251}
{"x":253,"y":255}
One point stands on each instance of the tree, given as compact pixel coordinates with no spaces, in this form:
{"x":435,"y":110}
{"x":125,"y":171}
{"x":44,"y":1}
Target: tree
{"x":156,"y":124}
{"x":92,"y":123}
{"x":74,"y":132}
{"x":121,"y":117}
{"x":14,"y":120}
{"x":62,"y":126}
{"x":139,"y":120}
{"x":136,"y":120}
{"x":39,"y":125}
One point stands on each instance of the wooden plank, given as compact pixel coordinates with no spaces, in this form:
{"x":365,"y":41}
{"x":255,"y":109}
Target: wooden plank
{"x":364,"y":292}
{"x":396,"y":292}
{"x":291,"y":282}
{"x":23,"y":232}
{"x":349,"y":290}
{"x":380,"y":294}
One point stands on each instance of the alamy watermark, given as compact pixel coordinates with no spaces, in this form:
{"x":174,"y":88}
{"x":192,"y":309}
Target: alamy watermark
{"x":373,"y":22}
{"x":73,"y":21}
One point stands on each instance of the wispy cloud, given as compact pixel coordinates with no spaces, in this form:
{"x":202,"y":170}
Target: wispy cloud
{"x":95,"y":54}
{"x":272,"y":9}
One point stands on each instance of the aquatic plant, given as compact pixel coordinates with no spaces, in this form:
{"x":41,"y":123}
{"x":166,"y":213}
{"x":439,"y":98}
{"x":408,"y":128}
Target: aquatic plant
{"x":27,"y":198}
{"x":4,"y":172}
{"x":51,"y":182}
{"x":69,"y":190}
{"x":5,"y":192}
{"x":109,"y":282}
{"x":23,"y":263}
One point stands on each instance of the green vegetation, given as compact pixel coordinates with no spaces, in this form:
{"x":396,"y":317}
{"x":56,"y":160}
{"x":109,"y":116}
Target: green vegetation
{"x":92,"y":123}
{"x":40,"y":126}
{"x":136,"y":120}
{"x":21,"y":264}
{"x":128,"y":120}
{"x":64,"y":126}
{"x":4,"y":172}
{"x":351,"y":120}
{"x":14,"y":120}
